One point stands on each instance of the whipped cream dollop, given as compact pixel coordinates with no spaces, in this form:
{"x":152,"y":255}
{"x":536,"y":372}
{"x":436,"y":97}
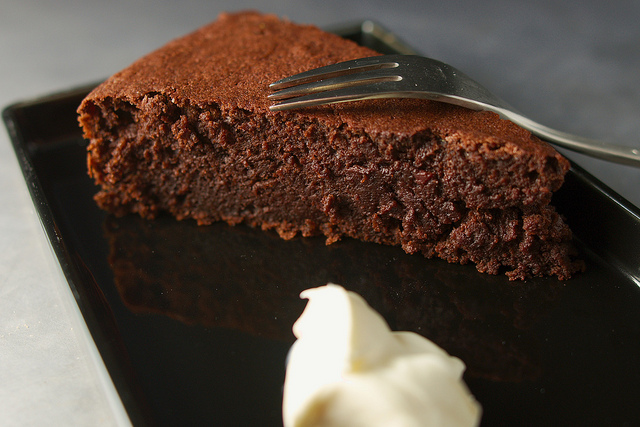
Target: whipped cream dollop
{"x":347,"y":368}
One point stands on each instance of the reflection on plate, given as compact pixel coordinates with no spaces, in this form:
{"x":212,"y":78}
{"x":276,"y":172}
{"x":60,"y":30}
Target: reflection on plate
{"x":249,"y":280}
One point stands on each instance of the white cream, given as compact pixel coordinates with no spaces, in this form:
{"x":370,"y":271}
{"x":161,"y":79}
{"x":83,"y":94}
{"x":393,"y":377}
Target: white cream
{"x":347,"y":368}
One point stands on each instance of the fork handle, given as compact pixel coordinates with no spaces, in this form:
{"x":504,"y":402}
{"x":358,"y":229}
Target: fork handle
{"x":612,"y":152}
{"x":469,"y":93}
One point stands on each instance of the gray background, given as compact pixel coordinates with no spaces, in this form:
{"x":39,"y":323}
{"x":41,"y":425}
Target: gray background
{"x":574,"y":66}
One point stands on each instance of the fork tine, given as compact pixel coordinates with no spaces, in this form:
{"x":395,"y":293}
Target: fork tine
{"x":334,"y":70}
{"x":353,"y":93}
{"x":342,"y":81}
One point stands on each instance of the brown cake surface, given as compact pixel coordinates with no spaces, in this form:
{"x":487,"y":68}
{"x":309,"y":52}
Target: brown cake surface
{"x":187,"y":130}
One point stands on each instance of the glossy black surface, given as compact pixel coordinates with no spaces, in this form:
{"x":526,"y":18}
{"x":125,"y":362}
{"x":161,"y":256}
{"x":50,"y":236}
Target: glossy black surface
{"x":194,"y":323}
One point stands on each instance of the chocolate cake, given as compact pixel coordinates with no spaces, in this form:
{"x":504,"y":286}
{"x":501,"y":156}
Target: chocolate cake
{"x":187,"y":130}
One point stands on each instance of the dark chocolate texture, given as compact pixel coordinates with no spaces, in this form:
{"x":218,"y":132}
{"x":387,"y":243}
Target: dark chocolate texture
{"x":187,"y":130}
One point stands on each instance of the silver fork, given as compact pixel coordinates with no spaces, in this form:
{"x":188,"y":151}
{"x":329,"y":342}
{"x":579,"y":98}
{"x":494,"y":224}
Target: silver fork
{"x":410,"y":76}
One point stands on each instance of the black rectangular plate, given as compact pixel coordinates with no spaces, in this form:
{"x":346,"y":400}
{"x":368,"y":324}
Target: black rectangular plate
{"x":194,"y":323}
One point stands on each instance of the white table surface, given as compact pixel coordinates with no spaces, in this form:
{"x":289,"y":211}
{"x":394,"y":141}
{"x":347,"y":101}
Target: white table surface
{"x":571,"y":65}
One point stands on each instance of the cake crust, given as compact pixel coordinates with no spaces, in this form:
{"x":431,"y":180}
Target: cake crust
{"x":187,"y":130}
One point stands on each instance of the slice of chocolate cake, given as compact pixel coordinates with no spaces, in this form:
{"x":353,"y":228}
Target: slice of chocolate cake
{"x":187,"y":130}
